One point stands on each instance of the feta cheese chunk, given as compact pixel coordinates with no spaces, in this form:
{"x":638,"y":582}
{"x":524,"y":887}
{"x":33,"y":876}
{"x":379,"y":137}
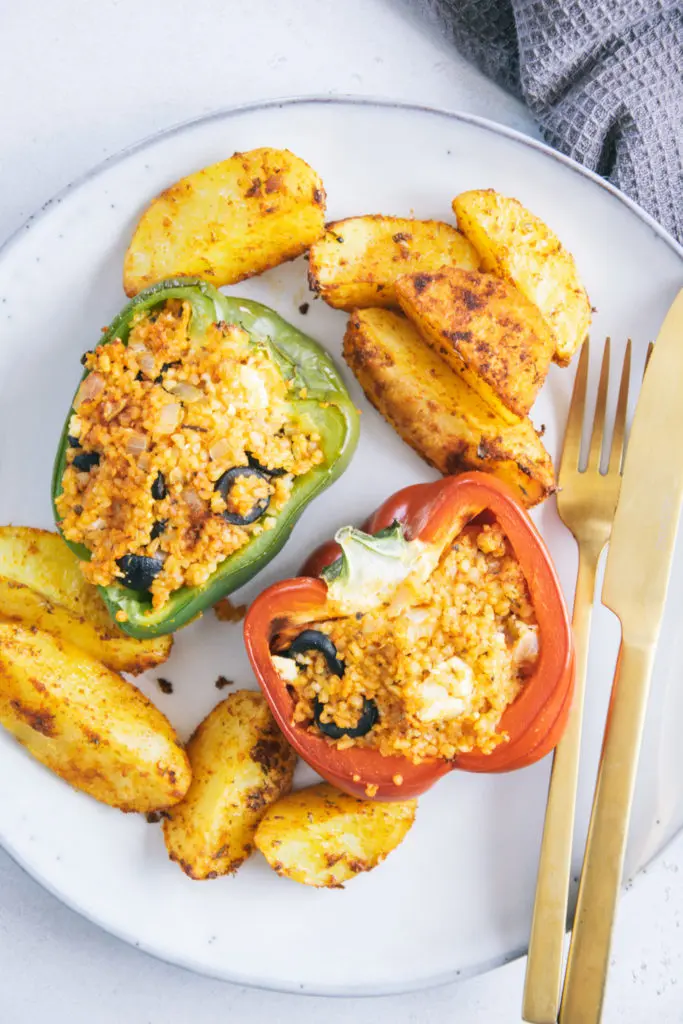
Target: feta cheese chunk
{"x":286,"y":668}
{"x":525,"y":650}
{"x":447,"y":691}
{"x":255,"y":386}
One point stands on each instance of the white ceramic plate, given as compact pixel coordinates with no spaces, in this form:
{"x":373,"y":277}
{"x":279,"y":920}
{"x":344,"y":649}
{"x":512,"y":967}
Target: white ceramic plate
{"x":456,"y":897}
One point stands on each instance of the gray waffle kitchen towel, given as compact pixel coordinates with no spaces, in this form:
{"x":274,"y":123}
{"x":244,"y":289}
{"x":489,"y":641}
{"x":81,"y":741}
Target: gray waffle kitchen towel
{"x":604,"y":79}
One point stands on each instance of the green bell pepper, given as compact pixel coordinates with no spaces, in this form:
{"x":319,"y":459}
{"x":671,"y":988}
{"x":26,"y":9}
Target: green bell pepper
{"x":303,"y":364}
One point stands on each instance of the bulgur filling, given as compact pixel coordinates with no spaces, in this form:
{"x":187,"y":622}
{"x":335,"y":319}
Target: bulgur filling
{"x":441,"y":660}
{"x":181,"y":450}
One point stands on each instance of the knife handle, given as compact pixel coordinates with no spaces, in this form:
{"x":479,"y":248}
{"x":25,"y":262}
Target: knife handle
{"x":603,"y":863}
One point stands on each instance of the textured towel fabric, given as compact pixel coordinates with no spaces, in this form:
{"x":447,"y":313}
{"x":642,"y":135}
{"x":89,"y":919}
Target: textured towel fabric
{"x":604,"y":78}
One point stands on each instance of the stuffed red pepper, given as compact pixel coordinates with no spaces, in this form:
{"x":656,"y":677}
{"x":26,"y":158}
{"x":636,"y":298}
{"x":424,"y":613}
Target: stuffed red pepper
{"x":435,"y":638}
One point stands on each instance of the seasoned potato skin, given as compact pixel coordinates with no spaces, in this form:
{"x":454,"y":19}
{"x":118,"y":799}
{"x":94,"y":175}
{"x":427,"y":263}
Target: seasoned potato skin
{"x":229,"y":221}
{"x":321,"y":837}
{"x":87,"y":724}
{"x":41,"y":585}
{"x":357,"y":261}
{"x":486,"y":331}
{"x":241,"y":763}
{"x":435,"y":412}
{"x":517,"y":245}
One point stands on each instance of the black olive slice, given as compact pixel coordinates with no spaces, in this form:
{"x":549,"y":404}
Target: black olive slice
{"x":314,"y":640}
{"x":158,"y":528}
{"x":73,"y":442}
{"x":159,"y":487}
{"x":255,"y":464}
{"x":225,"y":483}
{"x":85,"y":461}
{"x":368,"y":717}
{"x":139,"y":571}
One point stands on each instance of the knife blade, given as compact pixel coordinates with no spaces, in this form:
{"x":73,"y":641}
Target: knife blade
{"x":646,"y":521}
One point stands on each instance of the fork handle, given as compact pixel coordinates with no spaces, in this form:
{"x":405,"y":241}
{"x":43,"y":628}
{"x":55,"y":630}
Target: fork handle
{"x":546,"y":944}
{"x":603,"y":863}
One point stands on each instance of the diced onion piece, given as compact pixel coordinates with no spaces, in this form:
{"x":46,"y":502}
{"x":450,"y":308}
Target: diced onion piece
{"x":136,"y":345}
{"x":136,"y":444}
{"x":169,"y":417}
{"x":147,"y":363}
{"x":186,"y":392}
{"x":193,"y":501}
{"x":219,"y":449}
{"x":112,"y":409}
{"x":91,"y":388}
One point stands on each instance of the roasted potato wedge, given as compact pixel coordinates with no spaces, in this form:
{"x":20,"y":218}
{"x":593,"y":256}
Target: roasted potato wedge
{"x":518,"y":246}
{"x":241,"y":763}
{"x":87,"y":724}
{"x":486,"y":331}
{"x":357,"y":260}
{"x":321,"y":837}
{"x":229,"y":221}
{"x":435,"y":412}
{"x":41,"y":585}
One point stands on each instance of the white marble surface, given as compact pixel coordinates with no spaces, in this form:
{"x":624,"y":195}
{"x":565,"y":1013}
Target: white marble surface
{"x":80,"y":80}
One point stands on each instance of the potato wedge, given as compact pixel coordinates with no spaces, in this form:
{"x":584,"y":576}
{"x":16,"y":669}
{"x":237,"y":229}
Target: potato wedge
{"x":435,"y":412}
{"x":229,"y":221}
{"x":486,"y":331}
{"x":357,"y":260}
{"x":241,"y":763}
{"x":321,"y":837}
{"x":518,"y":246}
{"x":87,"y":724}
{"x":41,"y":584}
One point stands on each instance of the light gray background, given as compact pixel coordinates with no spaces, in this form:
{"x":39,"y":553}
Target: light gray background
{"x":80,"y":80}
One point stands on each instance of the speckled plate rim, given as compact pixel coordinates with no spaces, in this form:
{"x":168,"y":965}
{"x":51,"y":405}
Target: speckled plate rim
{"x":513,"y":135}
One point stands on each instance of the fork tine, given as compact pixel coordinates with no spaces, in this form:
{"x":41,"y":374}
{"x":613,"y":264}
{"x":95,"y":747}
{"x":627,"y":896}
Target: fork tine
{"x":650,"y":349}
{"x":617,"y":452}
{"x":571,"y":449}
{"x":595,"y":451}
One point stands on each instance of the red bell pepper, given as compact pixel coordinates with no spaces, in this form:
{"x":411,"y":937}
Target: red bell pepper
{"x":435,"y":514}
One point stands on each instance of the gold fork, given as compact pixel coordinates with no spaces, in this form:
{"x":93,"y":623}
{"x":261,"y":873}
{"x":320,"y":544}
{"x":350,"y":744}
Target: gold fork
{"x":586,"y":502}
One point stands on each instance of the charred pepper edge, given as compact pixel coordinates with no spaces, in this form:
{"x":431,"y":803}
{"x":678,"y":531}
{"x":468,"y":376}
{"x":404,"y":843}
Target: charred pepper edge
{"x":303,"y":364}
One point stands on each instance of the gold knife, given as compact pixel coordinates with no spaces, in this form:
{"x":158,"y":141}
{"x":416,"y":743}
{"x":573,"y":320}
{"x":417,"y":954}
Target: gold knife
{"x":636,"y":581}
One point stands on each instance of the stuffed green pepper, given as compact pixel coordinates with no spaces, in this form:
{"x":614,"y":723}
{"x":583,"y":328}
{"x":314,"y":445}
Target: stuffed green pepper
{"x":202,"y":427}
